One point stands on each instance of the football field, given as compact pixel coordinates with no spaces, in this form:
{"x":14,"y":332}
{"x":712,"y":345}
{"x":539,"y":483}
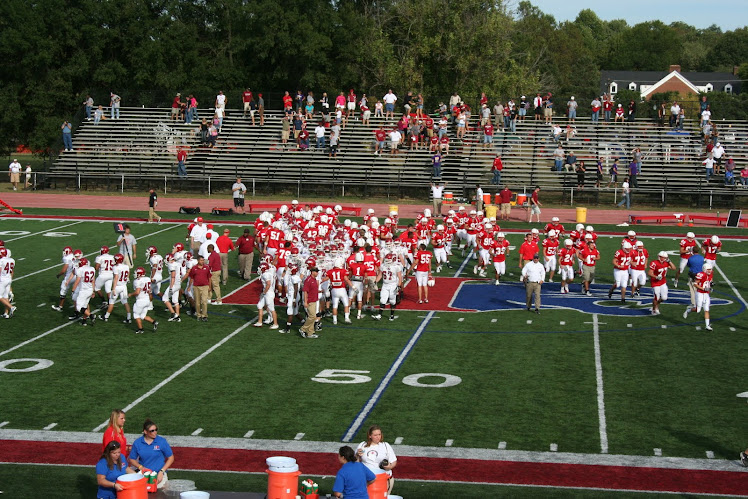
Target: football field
{"x":471,"y":369}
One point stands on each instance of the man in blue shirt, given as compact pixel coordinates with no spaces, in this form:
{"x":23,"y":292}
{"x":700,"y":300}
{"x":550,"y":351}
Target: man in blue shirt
{"x":694,"y":264}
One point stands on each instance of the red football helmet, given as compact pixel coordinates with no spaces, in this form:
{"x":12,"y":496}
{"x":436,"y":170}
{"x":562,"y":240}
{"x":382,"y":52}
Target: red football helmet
{"x":77,"y":254}
{"x":67,"y":250}
{"x":178,"y":247}
{"x":104,"y":250}
{"x":169,"y":258}
{"x":119,"y":258}
{"x":2,"y":243}
{"x":266,"y":259}
{"x":3,"y":252}
{"x":311,"y":262}
{"x":83,"y":262}
{"x":152,"y":250}
{"x":293,"y":268}
{"x":188,"y":256}
{"x":264,"y":267}
{"x":140,"y":272}
{"x":294,"y":250}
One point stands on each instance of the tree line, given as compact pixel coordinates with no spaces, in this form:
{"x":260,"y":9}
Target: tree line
{"x":55,"y":52}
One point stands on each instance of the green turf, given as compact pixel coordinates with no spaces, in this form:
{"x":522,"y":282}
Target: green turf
{"x":79,"y":481}
{"x":528,"y":385}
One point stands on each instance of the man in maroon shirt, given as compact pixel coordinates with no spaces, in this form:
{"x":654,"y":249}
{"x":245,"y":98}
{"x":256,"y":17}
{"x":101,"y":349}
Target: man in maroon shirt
{"x":247,"y":99}
{"x":200,"y":275}
{"x":245,"y":245}
{"x":310,"y":291}
{"x":225,"y":244}
{"x":176,"y":105}
{"x":505,"y":196}
{"x":214,"y":262}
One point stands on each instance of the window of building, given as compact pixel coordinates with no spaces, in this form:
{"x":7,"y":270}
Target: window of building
{"x":632,"y":86}
{"x":709,"y":87}
{"x":613,"y":88}
{"x":728,"y":89}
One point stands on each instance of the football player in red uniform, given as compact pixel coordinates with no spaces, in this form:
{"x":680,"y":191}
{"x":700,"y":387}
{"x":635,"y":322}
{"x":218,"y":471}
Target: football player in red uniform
{"x":658,"y":274}
{"x":621,"y":265}
{"x":687,"y":248}
{"x":422,"y":268}
{"x":499,"y":252}
{"x":703,"y":284}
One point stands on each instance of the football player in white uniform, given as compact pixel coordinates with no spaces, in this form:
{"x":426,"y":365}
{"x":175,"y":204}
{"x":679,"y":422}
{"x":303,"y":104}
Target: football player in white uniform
{"x":83,"y":288}
{"x":143,"y":297}
{"x":187,"y":263}
{"x":104,"y":266}
{"x":119,"y":288}
{"x":292,"y":284}
{"x":171,"y":295}
{"x":65,"y":272}
{"x":7,"y":268}
{"x":391,"y":274}
{"x":156,"y":262}
{"x":267,"y":295}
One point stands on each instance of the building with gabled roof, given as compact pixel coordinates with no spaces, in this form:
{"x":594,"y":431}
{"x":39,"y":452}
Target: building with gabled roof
{"x":648,"y":83}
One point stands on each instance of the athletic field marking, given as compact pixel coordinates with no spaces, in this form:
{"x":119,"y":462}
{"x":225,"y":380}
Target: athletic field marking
{"x":179,"y":371}
{"x":364,"y":413}
{"x":423,"y":317}
{"x":460,"y":319}
{"x":529,"y":322}
{"x":464,"y":262}
{"x":40,"y":305}
{"x":663,"y":326}
{"x":240,"y":287}
{"x":90,"y":254}
{"x":600,"y":391}
{"x":398,"y":440}
{"x":493,"y":320}
{"x":554,"y":447}
{"x":37,"y":338}
{"x":232,"y":311}
{"x":502,"y":445}
{"x":197,"y":432}
{"x":449,"y":442}
{"x":481,"y":454}
{"x":4,"y":423}
{"x":21,"y":259}
{"x":732,"y":329}
{"x":562,"y":323}
{"x":698,"y":328}
{"x":709,"y":454}
{"x":41,"y":232}
{"x":249,"y":434}
{"x":299,"y":436}
{"x":46,"y":259}
{"x":629,"y":325}
{"x":657,"y":451}
{"x":50,"y":426}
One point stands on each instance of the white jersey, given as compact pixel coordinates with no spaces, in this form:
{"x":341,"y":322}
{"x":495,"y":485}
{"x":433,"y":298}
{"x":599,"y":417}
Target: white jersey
{"x":157,"y":266}
{"x":121,"y":275}
{"x":176,"y":269}
{"x":144,"y":285}
{"x":106,"y":264}
{"x":289,"y":281}
{"x":390,"y":272}
{"x":68,"y":260}
{"x":7,"y":265}
{"x":268,"y":277}
{"x":87,"y":276}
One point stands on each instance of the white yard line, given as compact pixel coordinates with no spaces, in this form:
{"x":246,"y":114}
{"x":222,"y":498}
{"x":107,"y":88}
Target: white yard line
{"x":90,"y":254}
{"x":240,"y":288}
{"x":41,"y":232}
{"x":600,"y":389}
{"x":364,"y":413}
{"x":481,"y":454}
{"x":36,"y":338}
{"x":462,"y":267}
{"x":180,"y":371}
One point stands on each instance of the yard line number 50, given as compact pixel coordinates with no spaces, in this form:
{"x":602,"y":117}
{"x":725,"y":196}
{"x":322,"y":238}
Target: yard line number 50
{"x":351,"y":376}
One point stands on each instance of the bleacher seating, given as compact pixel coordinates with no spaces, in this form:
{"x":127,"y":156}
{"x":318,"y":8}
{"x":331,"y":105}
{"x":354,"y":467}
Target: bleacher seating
{"x":144,"y":143}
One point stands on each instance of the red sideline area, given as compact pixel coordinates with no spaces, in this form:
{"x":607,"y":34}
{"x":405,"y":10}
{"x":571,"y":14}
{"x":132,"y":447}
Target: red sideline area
{"x":415,"y":468}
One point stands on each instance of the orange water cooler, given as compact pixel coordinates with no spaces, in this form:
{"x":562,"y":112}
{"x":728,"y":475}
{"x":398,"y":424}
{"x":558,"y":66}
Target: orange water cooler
{"x":378,"y":488}
{"x":133,"y":487}
{"x":283,"y":477}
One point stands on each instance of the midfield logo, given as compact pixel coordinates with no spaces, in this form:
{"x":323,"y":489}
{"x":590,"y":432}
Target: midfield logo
{"x":486,"y":297}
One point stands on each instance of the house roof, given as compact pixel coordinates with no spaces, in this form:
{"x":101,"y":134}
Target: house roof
{"x":697,"y":78}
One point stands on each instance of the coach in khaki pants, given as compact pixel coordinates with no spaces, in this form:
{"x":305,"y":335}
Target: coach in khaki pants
{"x":311,"y":297}
{"x":245,"y":245}
{"x":214,"y":263}
{"x":200,"y":275}
{"x":533,"y":273}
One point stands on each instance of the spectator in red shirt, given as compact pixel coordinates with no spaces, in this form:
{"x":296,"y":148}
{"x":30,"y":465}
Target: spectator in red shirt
{"x":181,"y":158}
{"x":496,"y":169}
{"x":200,"y":275}
{"x":310,"y":293}
{"x":176,"y":105}
{"x":225,"y":245}
{"x":246,"y":247}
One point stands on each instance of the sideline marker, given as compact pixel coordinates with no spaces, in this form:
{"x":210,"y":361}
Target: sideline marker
{"x":197,"y":432}
{"x":4,"y":423}
{"x":40,"y":305}
{"x":709,"y":454}
{"x":249,"y":434}
{"x":460,"y":319}
{"x":502,"y":445}
{"x":554,"y":447}
{"x":50,"y":426}
{"x":493,"y":320}
{"x":449,"y":442}
{"x":299,"y":436}
{"x":398,"y":440}
{"x":657,"y":451}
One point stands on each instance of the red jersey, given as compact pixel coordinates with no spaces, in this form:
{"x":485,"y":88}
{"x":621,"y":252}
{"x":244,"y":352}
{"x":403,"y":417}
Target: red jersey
{"x":423,"y":261}
{"x":711,"y":249}
{"x":444,"y":140}
{"x":358,"y":271}
{"x":630,"y":240}
{"x":439,"y":239}
{"x":590,"y":256}
{"x":287,"y":101}
{"x":500,"y":249}
{"x":550,"y":247}
{"x":686,"y":248}
{"x":337,"y":277}
{"x":566,"y":256}
{"x":488,"y":129}
{"x":659,"y":269}
{"x":639,"y":259}
{"x":449,"y":233}
{"x":281,"y":257}
{"x":409,"y":242}
{"x":557,"y":227}
{"x":428,"y":123}
{"x":274,"y":238}
{"x":247,"y":96}
{"x":423,"y":231}
{"x":528,"y":249}
{"x":371,"y":263}
{"x":471,"y":225}
{"x":624,"y":259}
{"x":705,"y":281}
{"x":310,"y":233}
{"x":381,"y":135}
{"x":486,"y":241}
{"x":594,"y":236}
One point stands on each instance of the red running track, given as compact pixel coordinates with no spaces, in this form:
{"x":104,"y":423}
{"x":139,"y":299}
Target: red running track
{"x":416,"y":468}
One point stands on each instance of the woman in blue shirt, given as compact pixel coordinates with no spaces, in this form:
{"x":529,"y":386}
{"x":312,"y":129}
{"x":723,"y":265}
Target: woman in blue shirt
{"x":108,"y":469}
{"x":152,"y":452}
{"x":353,"y":478}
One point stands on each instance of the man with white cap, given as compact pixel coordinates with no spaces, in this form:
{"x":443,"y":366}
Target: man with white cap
{"x":14,"y":172}
{"x":658,"y":274}
{"x":533,"y":275}
{"x":572,"y":105}
{"x":197,"y":234}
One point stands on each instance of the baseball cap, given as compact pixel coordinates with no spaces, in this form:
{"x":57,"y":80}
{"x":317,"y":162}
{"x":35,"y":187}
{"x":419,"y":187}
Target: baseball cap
{"x":246,"y":231}
{"x":535,"y":256}
{"x":314,"y":269}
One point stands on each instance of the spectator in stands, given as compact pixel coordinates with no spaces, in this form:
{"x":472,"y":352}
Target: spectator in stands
{"x":436,"y":163}
{"x":718,"y":154}
{"x":558,"y":158}
{"x":261,"y":109}
{"x":513,"y":119}
{"x":212,"y":134}
{"x":626,"y":194}
{"x":571,"y":132}
{"x":309,"y":107}
{"x":730,"y":171}
{"x":580,"y":171}
{"x":634,"y":173}
{"x":548,"y":107}
{"x":704,"y":104}
{"x":496,"y":168}
{"x":285,"y":130}
{"x":522,"y":108}
{"x":191,"y":113}
{"x":709,"y":167}
{"x":631,"y":111}
{"x":619,"y":114}
{"x":572,"y":107}
{"x":304,"y":138}
{"x":571,"y":162}
{"x":389,"y":104}
{"x":662,"y":114}
{"x":674,"y":112}
{"x":114,"y":102}
{"x":744,"y":176}
{"x":365,"y":111}
{"x":176,"y":105}
{"x":607,"y":107}
{"x":444,"y":144}
{"x":556,"y":132}
{"x":99,"y":115}
{"x":498,"y":113}
{"x":218,"y":118}
{"x":596,"y":105}
{"x":706,"y":132}
{"x":410,"y":102}
{"x":379,"y":109}
{"x":636,"y":154}
{"x":485,"y":115}
{"x":247,"y":98}
{"x":395,"y":139}
{"x":537,"y":104}
{"x":319,"y":133}
{"x":681,"y":119}
{"x":334,"y":138}
{"x":204,"y":132}
{"x":67,"y":135}
{"x":706,"y":115}
{"x":88,"y":106}
{"x":599,"y":172}
{"x":487,"y":134}
{"x":613,"y":171}
{"x":380,"y":135}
